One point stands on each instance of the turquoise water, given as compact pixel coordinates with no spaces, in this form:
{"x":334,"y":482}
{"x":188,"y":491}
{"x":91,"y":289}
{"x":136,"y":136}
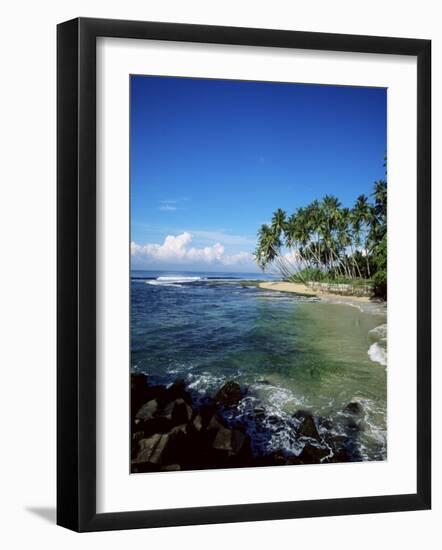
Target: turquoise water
{"x":289,"y":352}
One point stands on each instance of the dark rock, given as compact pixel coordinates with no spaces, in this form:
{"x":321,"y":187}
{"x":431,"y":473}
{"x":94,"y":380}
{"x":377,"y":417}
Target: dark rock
{"x":138,"y":382}
{"x":229,"y":395}
{"x":178,"y":391}
{"x":301,"y":414}
{"x":230,"y":441}
{"x":293,"y":461}
{"x":151,"y":450}
{"x":325,"y":423}
{"x":136,"y":437}
{"x":143,"y":467}
{"x":312,"y":455}
{"x":159,"y":393}
{"x":147,"y":410}
{"x":346,"y":447}
{"x":215,"y":423}
{"x":308,"y":426}
{"x":151,"y":419}
{"x":191,"y":449}
{"x":339,"y":445}
{"x":170,"y":468}
{"x":340,"y":455}
{"x":200,"y":440}
{"x":177,"y":445}
{"x":170,"y":434}
{"x":353,"y":408}
{"x":259,"y":412}
{"x":278,"y":457}
{"x":142,"y":392}
{"x":223,"y":439}
{"x":206,"y":412}
{"x":197,"y":422}
{"x":353,"y":427}
{"x":138,"y":387}
{"x":178,"y":412}
{"x":154,"y":425}
{"x":161,"y":449}
{"x":208,"y":433}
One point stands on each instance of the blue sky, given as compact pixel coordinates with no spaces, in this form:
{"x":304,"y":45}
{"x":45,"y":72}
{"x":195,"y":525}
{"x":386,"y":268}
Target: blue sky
{"x":212,"y":159}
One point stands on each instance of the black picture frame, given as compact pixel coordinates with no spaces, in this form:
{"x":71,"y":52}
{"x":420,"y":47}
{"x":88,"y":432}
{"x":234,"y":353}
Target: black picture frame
{"x":76,"y":274}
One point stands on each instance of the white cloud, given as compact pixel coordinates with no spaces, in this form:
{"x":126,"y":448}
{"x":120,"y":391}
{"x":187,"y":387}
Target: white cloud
{"x":240,"y":258}
{"x":176,"y":248}
{"x":167,"y":208}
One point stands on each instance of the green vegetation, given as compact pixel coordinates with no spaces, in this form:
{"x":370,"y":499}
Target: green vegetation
{"x":327,"y":242}
{"x":317,"y":276}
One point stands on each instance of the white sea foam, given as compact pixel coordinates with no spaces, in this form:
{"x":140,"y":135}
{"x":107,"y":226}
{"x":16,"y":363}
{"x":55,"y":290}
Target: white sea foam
{"x":267,"y":411}
{"x":179,"y":279}
{"x":275,"y":396}
{"x":378,"y":349}
{"x":350,"y":304}
{"x":378,"y":354}
{"x":373,"y":431}
{"x":163,"y":283}
{"x":205,"y":383}
{"x":176,"y":281}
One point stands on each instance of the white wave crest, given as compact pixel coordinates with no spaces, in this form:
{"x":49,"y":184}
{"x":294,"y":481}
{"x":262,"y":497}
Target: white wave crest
{"x":162,"y":283}
{"x":176,"y":281}
{"x":179,"y":279}
{"x":378,"y":354}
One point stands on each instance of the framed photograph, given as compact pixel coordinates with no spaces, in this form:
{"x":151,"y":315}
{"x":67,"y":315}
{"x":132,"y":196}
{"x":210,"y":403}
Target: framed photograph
{"x":243,"y":274}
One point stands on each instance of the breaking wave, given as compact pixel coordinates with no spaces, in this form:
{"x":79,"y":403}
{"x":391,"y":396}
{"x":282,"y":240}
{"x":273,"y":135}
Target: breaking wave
{"x":172,"y":281}
{"x":378,"y":354}
{"x":378,"y":349}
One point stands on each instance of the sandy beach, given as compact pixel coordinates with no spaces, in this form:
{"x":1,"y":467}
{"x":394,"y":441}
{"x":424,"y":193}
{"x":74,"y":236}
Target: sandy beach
{"x":299,"y":288}
{"x":282,"y":286}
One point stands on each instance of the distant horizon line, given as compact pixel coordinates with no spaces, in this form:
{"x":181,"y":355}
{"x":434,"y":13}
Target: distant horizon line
{"x":201,"y":270}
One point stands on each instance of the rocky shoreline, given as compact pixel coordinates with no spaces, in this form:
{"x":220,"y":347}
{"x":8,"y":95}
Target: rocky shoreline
{"x":170,"y":431}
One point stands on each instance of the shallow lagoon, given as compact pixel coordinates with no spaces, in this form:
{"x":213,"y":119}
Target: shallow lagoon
{"x":289,"y":352}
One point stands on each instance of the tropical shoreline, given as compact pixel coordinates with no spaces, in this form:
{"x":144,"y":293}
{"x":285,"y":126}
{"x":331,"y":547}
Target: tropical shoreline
{"x":304,"y":290}
{"x":288,"y":352}
{"x":170,"y":431}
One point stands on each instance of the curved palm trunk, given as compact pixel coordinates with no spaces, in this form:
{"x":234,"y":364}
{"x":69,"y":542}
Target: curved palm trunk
{"x":355,"y":262}
{"x":341,"y":263}
{"x":367,"y":261}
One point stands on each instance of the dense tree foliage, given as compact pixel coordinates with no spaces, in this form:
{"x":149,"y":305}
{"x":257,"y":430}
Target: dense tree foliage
{"x":325,"y":241}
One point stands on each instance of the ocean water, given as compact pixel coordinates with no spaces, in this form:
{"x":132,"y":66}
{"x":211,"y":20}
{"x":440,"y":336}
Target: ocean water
{"x":290,"y":352}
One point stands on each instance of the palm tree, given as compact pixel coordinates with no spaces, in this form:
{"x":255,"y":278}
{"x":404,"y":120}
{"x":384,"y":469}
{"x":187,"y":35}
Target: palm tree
{"x":380,"y":200}
{"x":278,"y":222}
{"x":330,"y":209}
{"x":363,"y":212}
{"x":355,"y":224}
{"x":296,"y":234}
{"x":326,"y":239}
{"x":344,"y":237}
{"x":290,"y":231}
{"x":378,"y":230}
{"x":268,"y":246}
